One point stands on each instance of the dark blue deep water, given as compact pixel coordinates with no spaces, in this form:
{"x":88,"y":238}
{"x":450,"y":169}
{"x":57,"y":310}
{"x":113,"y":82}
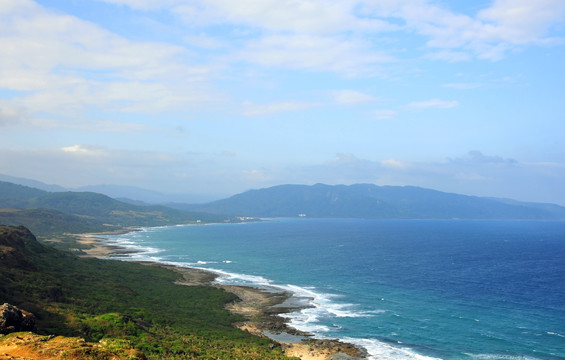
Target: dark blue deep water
{"x":403,"y":289}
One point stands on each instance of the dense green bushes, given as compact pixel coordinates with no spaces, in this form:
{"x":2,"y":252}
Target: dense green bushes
{"x":119,"y":301}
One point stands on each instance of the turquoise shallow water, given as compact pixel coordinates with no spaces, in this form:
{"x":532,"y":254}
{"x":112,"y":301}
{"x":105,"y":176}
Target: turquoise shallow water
{"x":403,"y":289}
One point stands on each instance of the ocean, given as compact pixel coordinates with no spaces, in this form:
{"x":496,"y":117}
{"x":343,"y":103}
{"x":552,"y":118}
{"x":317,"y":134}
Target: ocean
{"x":402,"y":289}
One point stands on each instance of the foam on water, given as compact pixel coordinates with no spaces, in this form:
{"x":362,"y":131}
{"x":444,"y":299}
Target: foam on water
{"x":132,"y":249}
{"x":404,"y":326}
{"x":381,"y":350}
{"x":307,"y":319}
{"x":322,"y":305}
{"x":499,"y":357}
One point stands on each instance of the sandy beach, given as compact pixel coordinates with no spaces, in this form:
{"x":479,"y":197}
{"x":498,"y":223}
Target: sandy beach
{"x":261,"y":309}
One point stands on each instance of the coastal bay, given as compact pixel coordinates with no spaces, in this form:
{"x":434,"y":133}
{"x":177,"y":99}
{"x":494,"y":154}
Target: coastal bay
{"x":260,"y":307}
{"x":401,"y":289}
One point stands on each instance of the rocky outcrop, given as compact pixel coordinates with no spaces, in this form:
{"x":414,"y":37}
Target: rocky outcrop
{"x":16,"y":243}
{"x":13,"y":319}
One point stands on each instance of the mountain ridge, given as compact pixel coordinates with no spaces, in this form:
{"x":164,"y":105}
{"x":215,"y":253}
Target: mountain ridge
{"x":288,"y":200}
{"x":372,"y":201}
{"x":126,"y":193}
{"x":83,"y":211}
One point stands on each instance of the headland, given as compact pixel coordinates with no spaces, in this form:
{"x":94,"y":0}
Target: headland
{"x":262,"y":308}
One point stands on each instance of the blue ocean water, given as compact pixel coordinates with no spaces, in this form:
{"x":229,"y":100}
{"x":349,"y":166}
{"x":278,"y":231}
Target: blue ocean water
{"x":403,"y":289}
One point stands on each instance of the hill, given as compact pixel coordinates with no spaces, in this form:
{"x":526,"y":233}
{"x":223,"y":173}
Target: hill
{"x":83,"y":211}
{"x":31,"y":183}
{"x":47,"y":222}
{"x":371,"y":201}
{"x":133,"y":193}
{"x":126,"y":305}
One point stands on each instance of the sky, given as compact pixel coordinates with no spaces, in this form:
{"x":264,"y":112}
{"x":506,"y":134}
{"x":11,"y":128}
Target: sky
{"x":216,"y":97}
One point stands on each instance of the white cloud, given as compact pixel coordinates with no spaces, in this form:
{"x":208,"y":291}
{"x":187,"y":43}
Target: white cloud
{"x":348,"y":56}
{"x":392,"y":163}
{"x":83,"y":150}
{"x":306,"y":17}
{"x":144,"y":4}
{"x":256,"y":175}
{"x":344,"y":159}
{"x":11,"y":116}
{"x":62,"y":65}
{"x":434,"y":104}
{"x":351,"y":97}
{"x":489,"y":35}
{"x":251,"y":109}
{"x":206,"y":42}
{"x":476,"y":157}
{"x":78,"y":165}
{"x":344,"y":36}
{"x":383,"y":114}
{"x":463,"y":86}
{"x":522,"y":21}
{"x":449,"y":56}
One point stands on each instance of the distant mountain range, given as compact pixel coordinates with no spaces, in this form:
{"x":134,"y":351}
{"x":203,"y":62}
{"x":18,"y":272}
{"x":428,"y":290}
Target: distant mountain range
{"x":47,"y":212}
{"x":50,"y":212}
{"x":371,"y":201}
{"x":130,"y":194}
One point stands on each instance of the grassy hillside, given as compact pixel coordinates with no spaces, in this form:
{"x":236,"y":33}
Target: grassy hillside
{"x":134,"y":303}
{"x":83,"y":211}
{"x":44,"y":221}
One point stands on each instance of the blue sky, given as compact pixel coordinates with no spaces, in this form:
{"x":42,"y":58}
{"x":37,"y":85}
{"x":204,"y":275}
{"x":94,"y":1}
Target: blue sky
{"x":216,"y":97}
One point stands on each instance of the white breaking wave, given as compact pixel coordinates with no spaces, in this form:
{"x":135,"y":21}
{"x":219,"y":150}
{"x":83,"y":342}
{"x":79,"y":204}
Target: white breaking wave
{"x":500,"y":357}
{"x":380,"y":350}
{"x":228,"y":278}
{"x":321,"y":306}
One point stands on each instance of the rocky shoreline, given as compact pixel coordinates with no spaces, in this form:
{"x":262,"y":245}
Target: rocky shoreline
{"x":260,"y":307}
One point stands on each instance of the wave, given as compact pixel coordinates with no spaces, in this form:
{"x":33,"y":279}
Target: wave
{"x":313,"y":319}
{"x":201,"y":262}
{"x":500,"y":357}
{"x":131,"y":250}
{"x":314,"y":310}
{"x":554,"y":334}
{"x":381,"y":350}
{"x":312,"y":307}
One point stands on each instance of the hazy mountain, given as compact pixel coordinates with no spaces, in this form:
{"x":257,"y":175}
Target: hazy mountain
{"x":31,"y":183}
{"x":131,"y":194}
{"x":353,"y":201}
{"x":93,"y":208}
{"x":371,"y":201}
{"x":135,"y":194}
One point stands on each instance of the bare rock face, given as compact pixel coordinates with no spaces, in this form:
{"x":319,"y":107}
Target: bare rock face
{"x":13,"y":319}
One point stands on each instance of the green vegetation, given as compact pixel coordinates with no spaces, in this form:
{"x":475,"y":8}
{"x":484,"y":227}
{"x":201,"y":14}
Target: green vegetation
{"x":47,"y":213}
{"x":45,"y":221}
{"x":121,"y":303}
{"x":376,"y":202}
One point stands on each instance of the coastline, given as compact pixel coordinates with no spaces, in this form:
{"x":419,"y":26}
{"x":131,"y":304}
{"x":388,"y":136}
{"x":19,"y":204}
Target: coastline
{"x":261,"y":308}
{"x":97,"y":248}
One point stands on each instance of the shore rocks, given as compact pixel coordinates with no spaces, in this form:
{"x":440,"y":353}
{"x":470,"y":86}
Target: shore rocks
{"x":13,"y":319}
